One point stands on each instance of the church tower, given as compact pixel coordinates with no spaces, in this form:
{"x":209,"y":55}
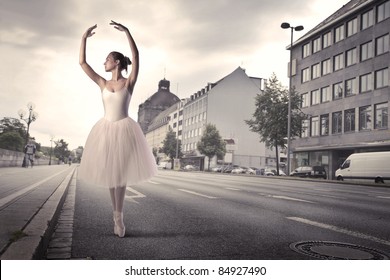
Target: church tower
{"x":158,"y":102}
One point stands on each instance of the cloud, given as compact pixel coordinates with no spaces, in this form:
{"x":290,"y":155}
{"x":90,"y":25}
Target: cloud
{"x":190,"y":43}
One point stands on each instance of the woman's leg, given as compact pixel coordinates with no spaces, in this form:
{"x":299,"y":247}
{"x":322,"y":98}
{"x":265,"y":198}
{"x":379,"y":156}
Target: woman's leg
{"x":119,"y":201}
{"x":113,"y":202}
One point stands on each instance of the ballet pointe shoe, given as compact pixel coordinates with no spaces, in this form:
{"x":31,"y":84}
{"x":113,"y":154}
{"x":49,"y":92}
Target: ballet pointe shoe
{"x":115,"y":225}
{"x":119,"y":226}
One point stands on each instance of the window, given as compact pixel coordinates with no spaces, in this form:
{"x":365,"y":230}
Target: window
{"x":382,"y":44}
{"x":315,"y":97}
{"x":314,"y":126}
{"x":325,"y":94}
{"x":382,"y":78}
{"x":305,"y":100}
{"x":326,"y":67}
{"x":317,"y":45}
{"x":381,"y":115}
{"x":306,"y":50}
{"x":339,"y":33}
{"x":367,"y":19}
{"x":350,"y":87}
{"x":326,"y":40}
{"x":383,"y":11}
{"x":352,"y":27}
{"x":324,"y":119}
{"x":366,"y":51}
{"x":337,"y":120}
{"x":366,"y":82}
{"x":305,"y":75}
{"x":351,"y":57}
{"x":315,"y":71}
{"x":337,"y":91}
{"x":365,"y":118}
{"x":305,"y":126}
{"x":338,"y":62}
{"x":349,"y":120}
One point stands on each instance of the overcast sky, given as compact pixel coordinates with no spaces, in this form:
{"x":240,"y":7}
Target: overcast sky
{"x":188,"y":42}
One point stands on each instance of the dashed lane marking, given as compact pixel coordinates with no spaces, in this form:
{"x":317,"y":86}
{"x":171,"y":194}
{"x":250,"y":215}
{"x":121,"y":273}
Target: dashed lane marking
{"x":232,"y":189}
{"x":285,"y":198}
{"x":340,"y":230}
{"x":198,"y":194}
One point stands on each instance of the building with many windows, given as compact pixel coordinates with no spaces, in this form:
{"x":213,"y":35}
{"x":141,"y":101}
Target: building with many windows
{"x":226,"y":104}
{"x":342,"y":71}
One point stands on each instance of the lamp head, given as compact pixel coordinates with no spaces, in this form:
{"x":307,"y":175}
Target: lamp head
{"x":285,"y":25}
{"x":298,"y":28}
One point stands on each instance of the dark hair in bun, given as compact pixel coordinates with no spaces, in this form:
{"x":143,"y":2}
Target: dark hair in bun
{"x":124,"y":60}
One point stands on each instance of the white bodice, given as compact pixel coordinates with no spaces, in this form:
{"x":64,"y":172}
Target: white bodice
{"x":116,"y":104}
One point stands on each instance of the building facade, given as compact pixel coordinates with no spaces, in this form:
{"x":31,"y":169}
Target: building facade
{"x":226,"y":104}
{"x":341,"y":68}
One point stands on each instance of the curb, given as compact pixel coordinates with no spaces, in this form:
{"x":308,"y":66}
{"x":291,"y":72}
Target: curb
{"x":41,"y":227}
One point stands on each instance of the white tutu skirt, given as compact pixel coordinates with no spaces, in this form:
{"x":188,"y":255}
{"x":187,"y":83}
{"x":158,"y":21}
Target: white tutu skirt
{"x":116,"y":154}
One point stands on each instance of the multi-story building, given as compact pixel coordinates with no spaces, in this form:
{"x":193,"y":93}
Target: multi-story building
{"x":171,"y":118}
{"x":226,"y":104}
{"x":341,"y":68}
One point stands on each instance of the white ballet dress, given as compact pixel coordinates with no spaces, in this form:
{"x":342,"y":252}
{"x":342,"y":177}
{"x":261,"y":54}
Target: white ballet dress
{"x":116,"y":153}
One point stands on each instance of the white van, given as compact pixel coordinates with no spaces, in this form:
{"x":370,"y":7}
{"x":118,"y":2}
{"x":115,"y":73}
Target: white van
{"x":374,"y":167}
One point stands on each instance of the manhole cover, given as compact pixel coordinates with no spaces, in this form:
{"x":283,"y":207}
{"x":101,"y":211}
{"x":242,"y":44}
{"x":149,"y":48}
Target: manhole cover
{"x":337,"y":251}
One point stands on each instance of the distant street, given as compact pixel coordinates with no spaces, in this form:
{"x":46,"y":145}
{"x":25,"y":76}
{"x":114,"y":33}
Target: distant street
{"x":180,"y":215}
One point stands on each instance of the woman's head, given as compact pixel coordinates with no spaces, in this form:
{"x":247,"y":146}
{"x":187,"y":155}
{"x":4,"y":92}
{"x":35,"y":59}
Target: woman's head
{"x":124,"y":61}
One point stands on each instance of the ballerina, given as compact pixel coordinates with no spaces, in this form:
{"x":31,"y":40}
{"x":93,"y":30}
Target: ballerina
{"x":116,"y":153}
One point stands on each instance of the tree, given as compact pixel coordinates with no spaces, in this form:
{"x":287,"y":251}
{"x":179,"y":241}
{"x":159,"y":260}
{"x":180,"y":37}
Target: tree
{"x":11,"y":131}
{"x":11,"y":140}
{"x":170,"y":145}
{"x":271,"y":115}
{"x":211,"y":144}
{"x":61,"y":150}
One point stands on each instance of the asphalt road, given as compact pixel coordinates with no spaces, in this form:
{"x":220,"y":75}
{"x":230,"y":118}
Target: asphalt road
{"x":184,"y":215}
{"x":23,"y":192}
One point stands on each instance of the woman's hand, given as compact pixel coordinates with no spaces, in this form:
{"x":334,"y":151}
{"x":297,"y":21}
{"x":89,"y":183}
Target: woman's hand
{"x":119,"y":26}
{"x":89,"y":31}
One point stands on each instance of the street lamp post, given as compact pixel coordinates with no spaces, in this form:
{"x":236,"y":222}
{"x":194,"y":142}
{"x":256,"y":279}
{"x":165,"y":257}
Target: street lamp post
{"x":286,"y":25}
{"x":32,"y":116}
{"x":51,"y":148}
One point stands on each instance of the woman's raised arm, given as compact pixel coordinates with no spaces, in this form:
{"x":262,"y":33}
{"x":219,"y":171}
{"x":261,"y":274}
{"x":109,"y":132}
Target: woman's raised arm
{"x":83,"y":59}
{"x":132,"y":79}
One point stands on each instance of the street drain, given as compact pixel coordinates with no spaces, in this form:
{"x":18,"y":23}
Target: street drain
{"x":337,"y":251}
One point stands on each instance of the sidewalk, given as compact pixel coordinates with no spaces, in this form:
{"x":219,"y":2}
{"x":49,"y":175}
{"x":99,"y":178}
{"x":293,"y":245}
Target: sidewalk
{"x":36,"y":235}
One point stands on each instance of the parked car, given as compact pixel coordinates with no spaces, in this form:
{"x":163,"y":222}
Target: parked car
{"x":272,"y":172}
{"x":253,"y":171}
{"x":190,"y":167}
{"x":310,"y":171}
{"x":239,"y":170}
{"x":217,"y":168}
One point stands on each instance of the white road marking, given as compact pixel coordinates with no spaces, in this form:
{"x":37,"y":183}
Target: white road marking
{"x":152,"y":182}
{"x":340,"y":230}
{"x":198,"y":194}
{"x":285,"y":197}
{"x":9,"y":198}
{"x":387,"y":197}
{"x":232,"y":189}
{"x":137,"y":195}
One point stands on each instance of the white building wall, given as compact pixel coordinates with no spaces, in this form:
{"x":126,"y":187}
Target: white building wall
{"x":230,"y":103}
